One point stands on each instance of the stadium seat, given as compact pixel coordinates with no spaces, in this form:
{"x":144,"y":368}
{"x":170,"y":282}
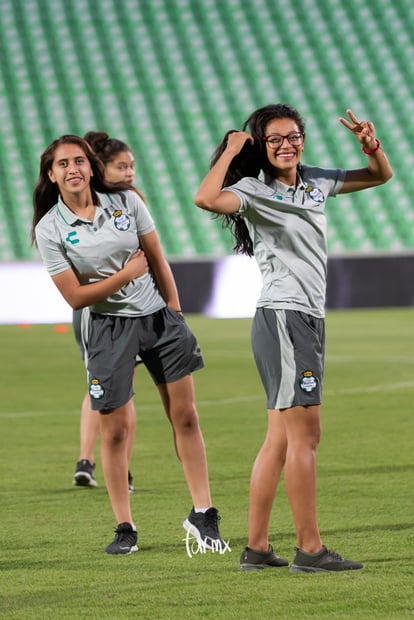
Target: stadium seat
{"x":171,"y":77}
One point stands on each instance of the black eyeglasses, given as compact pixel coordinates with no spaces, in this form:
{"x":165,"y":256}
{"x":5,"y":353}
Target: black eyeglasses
{"x":295,"y":138}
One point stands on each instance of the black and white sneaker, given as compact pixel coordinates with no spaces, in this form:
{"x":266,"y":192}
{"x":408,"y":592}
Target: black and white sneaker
{"x":204,"y":527}
{"x":125,"y":540}
{"x":84,"y":474}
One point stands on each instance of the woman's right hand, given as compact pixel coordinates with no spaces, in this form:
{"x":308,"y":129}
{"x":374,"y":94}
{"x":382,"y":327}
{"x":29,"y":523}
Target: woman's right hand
{"x":236,"y":141}
{"x":137,"y":265}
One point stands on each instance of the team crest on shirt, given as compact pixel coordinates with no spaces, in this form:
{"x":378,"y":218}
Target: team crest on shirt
{"x":308,"y":382}
{"x":315,"y":193}
{"x":96,"y":390}
{"x":121,"y":220}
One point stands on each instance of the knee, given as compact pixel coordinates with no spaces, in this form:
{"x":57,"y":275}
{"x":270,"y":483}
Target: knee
{"x":119,"y":436}
{"x":185,"y":419}
{"x":314,"y":440}
{"x":114,"y":433}
{"x":314,"y":436}
{"x":313,"y":431}
{"x":305,"y":441}
{"x":115,"y":437}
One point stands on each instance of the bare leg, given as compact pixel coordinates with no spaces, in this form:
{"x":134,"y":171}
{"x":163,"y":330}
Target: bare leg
{"x":114,"y":440}
{"x":132,"y":428}
{"x":89,"y":430}
{"x":132,"y":424}
{"x":179,"y":403}
{"x":303,"y":435}
{"x":264,"y":480}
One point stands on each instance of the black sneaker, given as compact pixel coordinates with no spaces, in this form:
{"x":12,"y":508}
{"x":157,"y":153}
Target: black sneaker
{"x":131,"y":487}
{"x":323,"y":561}
{"x":84,"y":474}
{"x":252,"y":559}
{"x":125,"y":540}
{"x":204,"y":527}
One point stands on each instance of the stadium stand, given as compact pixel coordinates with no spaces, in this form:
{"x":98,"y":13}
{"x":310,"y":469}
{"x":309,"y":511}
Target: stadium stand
{"x":171,"y":76}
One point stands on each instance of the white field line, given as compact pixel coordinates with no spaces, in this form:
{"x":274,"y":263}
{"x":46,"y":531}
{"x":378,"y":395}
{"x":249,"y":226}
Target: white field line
{"x":383,"y":387}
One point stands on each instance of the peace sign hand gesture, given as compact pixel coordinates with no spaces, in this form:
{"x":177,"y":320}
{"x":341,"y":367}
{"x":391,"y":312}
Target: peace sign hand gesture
{"x":364,"y":131}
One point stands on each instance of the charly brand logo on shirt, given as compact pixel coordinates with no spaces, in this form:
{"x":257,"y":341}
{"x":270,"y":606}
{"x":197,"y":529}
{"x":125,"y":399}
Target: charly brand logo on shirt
{"x":315,"y":194}
{"x":96,"y":390}
{"x":308,"y":382}
{"x":72,"y":237}
{"x":121,"y":220}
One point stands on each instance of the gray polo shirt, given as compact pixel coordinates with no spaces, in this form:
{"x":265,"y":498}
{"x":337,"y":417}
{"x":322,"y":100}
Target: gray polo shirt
{"x":95,"y":250}
{"x":288,"y":229}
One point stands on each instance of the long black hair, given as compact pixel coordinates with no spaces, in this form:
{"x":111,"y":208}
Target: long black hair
{"x":250,"y":161}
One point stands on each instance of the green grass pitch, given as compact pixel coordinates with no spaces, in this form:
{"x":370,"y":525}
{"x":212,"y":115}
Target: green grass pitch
{"x":53,"y":535}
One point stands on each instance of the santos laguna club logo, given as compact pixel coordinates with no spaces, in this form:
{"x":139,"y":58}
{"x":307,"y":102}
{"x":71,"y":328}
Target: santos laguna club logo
{"x":308,"y":382}
{"x":96,"y":390}
{"x":121,"y":220}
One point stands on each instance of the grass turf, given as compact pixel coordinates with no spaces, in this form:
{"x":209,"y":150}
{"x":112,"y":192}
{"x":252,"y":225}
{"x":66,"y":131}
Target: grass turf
{"x":53,"y":535}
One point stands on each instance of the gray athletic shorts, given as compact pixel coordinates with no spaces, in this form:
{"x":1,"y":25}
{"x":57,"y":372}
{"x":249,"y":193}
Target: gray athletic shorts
{"x":289,"y":350}
{"x":80,"y":323}
{"x":163,"y":341}
{"x":77,"y":329}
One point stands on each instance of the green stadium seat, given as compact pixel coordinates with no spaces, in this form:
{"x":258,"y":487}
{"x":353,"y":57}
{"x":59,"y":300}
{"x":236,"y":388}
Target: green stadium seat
{"x":171,"y":77}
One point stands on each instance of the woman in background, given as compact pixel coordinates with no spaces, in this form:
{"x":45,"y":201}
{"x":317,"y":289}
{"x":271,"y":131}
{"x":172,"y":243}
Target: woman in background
{"x":119,"y":163}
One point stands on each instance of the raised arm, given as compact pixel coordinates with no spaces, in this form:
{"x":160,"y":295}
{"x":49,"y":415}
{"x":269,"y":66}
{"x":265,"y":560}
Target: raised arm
{"x":79,"y":296}
{"x":378,"y":170}
{"x":210,"y":195}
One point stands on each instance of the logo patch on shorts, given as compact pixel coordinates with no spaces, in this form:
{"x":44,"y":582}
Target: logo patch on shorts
{"x":308,"y":383}
{"x":121,"y":220}
{"x":197,"y":351}
{"x":96,"y":390}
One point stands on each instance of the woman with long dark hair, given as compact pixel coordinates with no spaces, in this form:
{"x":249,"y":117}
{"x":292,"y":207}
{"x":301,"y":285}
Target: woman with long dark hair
{"x":119,"y":164}
{"x":275,"y":206}
{"x":99,"y":244}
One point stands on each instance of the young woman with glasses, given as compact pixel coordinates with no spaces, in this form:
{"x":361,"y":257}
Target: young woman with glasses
{"x":275,"y":206}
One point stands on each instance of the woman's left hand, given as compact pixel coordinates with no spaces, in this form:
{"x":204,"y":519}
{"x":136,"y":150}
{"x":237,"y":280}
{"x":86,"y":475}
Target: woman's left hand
{"x":364,"y":131}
